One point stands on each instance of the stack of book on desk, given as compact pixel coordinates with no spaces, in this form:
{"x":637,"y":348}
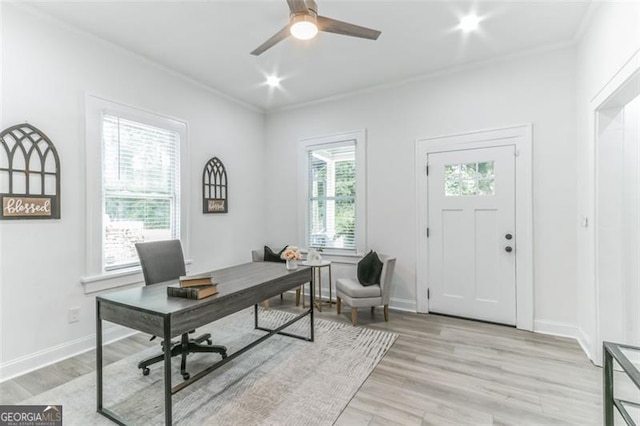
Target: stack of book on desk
{"x":193,"y":287}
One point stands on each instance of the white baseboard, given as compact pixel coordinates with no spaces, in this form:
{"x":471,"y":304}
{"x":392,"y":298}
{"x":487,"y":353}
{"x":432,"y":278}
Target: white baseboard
{"x":407,"y":305}
{"x":566,"y":330}
{"x":585,"y":343}
{"x":31,"y":362}
{"x":554,"y":328}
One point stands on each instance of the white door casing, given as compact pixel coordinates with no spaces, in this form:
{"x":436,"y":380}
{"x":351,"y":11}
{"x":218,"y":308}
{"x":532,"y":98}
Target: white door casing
{"x":598,"y":307}
{"x":471,"y":269}
{"x":520,"y":137}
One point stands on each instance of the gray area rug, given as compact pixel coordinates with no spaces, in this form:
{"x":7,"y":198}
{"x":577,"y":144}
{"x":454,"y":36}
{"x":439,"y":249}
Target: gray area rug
{"x":283,"y":381}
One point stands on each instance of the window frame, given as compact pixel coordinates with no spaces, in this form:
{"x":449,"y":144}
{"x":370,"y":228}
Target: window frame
{"x":97,"y":277}
{"x":357,"y":137}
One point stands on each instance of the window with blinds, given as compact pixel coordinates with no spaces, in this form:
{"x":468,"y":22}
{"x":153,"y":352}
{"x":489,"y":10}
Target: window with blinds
{"x":140,"y":185}
{"x":332,"y":196}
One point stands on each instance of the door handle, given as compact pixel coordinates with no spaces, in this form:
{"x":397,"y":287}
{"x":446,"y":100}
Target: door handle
{"x":508,"y":249}
{"x":508,"y":236}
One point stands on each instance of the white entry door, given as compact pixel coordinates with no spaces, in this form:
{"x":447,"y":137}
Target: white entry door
{"x":472,"y":241}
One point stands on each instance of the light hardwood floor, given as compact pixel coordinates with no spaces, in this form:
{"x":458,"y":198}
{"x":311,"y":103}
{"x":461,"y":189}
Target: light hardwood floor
{"x":440,"y":371}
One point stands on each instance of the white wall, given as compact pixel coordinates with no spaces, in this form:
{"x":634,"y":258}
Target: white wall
{"x":539,"y":89}
{"x":610,"y":39}
{"x":46,"y":70}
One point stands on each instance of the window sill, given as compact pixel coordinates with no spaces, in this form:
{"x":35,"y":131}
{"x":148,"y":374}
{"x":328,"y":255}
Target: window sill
{"x":117,"y":279}
{"x":111,"y":280}
{"x":338,"y":257}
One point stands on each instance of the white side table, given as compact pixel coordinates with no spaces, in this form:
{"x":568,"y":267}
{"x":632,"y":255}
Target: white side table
{"x":316,"y":276}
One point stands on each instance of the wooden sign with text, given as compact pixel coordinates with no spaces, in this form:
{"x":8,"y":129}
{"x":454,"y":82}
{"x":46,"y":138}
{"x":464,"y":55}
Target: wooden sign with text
{"x":216,"y":206}
{"x":29,"y":174}
{"x":214,"y":187}
{"x":25,"y":207}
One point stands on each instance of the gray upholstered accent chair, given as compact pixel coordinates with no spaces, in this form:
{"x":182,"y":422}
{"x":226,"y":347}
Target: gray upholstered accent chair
{"x":357,"y":296}
{"x":258,"y":256}
{"x":163,"y":261}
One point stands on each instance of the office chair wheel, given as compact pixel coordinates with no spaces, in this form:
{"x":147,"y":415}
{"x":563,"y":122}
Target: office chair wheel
{"x":224,"y":355}
{"x":186,"y":376}
{"x":209,"y":342}
{"x":145,"y":371}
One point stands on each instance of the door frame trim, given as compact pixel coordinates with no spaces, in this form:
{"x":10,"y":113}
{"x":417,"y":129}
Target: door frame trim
{"x":520,"y":136}
{"x":608,"y":96}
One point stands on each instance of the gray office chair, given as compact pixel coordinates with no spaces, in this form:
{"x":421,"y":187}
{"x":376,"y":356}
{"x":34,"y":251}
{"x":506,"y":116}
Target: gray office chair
{"x":163,"y":261}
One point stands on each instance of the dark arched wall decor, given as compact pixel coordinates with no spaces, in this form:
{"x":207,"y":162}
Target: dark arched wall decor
{"x":29,"y":174}
{"x":214,"y":187}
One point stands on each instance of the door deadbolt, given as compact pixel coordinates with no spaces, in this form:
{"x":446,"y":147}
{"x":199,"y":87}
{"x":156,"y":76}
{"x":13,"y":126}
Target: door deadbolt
{"x":508,"y":249}
{"x":508,"y":236}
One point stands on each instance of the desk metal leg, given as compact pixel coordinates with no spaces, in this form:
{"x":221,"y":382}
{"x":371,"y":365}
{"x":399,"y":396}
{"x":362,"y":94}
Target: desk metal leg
{"x":318,"y":282}
{"x":311,"y":310}
{"x":99,"y":373}
{"x":330,"y":295}
{"x":167,"y":372}
{"x":255,"y":316}
{"x":99,"y":356}
{"x":607,"y":380}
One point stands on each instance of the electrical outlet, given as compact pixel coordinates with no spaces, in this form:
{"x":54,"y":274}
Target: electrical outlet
{"x":74,"y":315}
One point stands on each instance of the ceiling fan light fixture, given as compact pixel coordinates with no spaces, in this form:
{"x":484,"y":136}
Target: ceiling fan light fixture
{"x":303,"y":26}
{"x":304,"y":23}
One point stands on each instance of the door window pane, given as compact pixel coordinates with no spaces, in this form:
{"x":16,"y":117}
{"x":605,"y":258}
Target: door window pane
{"x":469,"y":179}
{"x":452,"y":180}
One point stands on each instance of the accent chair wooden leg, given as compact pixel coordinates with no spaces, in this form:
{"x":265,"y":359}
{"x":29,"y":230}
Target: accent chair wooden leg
{"x":386,"y":312}
{"x":354,"y":316}
{"x":298,"y":296}
{"x":338,"y":305}
{"x":373,"y":310}
{"x":266,"y":304}
{"x":304,"y":299}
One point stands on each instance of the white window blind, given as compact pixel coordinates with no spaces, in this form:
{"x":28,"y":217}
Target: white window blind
{"x":140,"y":181}
{"x":332,"y":196}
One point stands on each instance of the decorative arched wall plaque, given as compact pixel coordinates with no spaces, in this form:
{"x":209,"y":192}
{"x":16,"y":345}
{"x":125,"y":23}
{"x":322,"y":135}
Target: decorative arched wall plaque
{"x":29,"y":174}
{"x":214,"y":187}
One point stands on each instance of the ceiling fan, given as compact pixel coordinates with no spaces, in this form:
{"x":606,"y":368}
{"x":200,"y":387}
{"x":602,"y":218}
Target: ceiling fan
{"x":304,"y":24}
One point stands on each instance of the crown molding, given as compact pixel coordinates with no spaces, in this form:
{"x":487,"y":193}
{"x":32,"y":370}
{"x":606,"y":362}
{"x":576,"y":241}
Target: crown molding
{"x":124,"y":51}
{"x":431,"y":75}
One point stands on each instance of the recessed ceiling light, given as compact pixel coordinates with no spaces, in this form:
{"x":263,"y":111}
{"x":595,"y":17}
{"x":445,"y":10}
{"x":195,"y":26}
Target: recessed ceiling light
{"x":469,"y":23}
{"x":273,"y":81}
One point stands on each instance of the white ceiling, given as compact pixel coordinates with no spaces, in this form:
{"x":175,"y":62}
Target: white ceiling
{"x":210,"y":41}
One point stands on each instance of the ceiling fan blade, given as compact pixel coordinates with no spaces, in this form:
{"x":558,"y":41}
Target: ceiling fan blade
{"x":275,"y":39}
{"x":297,"y":6}
{"x":338,"y":27}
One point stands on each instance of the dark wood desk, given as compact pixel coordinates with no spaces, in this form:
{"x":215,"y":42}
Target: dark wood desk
{"x":150,"y":310}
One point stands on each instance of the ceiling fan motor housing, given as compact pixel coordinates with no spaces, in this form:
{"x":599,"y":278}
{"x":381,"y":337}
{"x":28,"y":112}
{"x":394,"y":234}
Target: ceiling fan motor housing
{"x":309,"y":15}
{"x":312,"y":7}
